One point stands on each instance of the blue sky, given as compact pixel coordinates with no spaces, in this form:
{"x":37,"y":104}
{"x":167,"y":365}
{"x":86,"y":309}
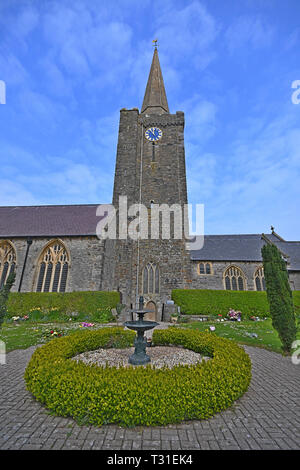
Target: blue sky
{"x":69,"y":67}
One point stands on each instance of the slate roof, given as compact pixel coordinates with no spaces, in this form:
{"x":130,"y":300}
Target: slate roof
{"x":35,"y":221}
{"x":81,"y":220}
{"x":230,"y":248}
{"x":292,"y":250}
{"x":245,"y":248}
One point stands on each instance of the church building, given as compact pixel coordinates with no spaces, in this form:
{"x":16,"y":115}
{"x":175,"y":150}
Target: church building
{"x":56,"y":248}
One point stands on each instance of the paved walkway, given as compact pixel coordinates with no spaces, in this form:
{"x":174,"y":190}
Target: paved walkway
{"x":266,"y":417}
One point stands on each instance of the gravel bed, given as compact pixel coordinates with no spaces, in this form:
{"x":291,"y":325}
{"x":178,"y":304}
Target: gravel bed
{"x":161,"y":356}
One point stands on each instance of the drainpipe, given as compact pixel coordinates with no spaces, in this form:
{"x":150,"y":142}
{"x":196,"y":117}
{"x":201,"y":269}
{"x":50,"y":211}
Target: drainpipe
{"x":29,"y":242}
{"x":163,"y":312}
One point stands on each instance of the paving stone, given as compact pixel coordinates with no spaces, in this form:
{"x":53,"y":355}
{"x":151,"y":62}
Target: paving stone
{"x":136,"y":445}
{"x":171,"y":435}
{"x":58,"y":444}
{"x":266,"y":417}
{"x":166,"y":445}
{"x":127,"y":445}
{"x":213,"y":445}
{"x":150,"y":445}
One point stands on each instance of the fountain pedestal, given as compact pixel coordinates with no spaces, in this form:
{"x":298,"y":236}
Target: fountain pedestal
{"x":139,"y":357}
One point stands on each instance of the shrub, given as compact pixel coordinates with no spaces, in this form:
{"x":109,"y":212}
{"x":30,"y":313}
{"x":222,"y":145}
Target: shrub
{"x":140,"y":395}
{"x":214,"y":302}
{"x":279,"y":296}
{"x":53,"y":306}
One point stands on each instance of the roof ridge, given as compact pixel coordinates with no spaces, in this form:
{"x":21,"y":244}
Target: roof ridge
{"x":231,"y":235}
{"x":52,"y":205}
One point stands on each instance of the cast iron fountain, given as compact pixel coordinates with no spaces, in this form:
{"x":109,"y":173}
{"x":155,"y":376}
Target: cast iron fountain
{"x":139,"y":357}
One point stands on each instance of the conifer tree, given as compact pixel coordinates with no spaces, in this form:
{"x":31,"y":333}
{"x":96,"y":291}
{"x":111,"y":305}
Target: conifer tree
{"x":279,"y":296}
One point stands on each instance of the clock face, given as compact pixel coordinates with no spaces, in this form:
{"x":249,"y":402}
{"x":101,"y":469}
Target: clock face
{"x":153,"y":134}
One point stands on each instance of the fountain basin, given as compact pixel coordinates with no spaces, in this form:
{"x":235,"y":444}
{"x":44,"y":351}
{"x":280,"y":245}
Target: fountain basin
{"x":140,"y":326}
{"x":139,"y":357}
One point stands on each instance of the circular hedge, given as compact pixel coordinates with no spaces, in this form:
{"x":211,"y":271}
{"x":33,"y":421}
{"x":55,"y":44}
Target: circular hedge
{"x":131,"y":396}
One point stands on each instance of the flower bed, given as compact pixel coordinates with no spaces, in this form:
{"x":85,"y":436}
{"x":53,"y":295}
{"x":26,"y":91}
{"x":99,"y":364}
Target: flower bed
{"x":60,"y":306}
{"x":133,"y":396}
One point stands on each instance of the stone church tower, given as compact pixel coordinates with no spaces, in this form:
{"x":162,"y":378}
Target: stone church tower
{"x":56,"y":248}
{"x":150,"y":170}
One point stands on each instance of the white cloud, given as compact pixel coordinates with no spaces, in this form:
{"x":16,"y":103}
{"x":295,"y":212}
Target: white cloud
{"x":84,"y":42}
{"x":14,"y":194}
{"x":187,"y":32}
{"x":11,"y":69}
{"x":248,"y":31}
{"x":254,"y":183}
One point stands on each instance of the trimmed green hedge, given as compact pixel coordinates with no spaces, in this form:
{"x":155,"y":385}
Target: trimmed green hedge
{"x":296,"y":299}
{"x":213,"y":302}
{"x":57,"y":304}
{"x":139,"y":395}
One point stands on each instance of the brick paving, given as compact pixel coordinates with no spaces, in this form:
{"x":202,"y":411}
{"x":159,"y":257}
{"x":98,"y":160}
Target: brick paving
{"x":267,"y":417}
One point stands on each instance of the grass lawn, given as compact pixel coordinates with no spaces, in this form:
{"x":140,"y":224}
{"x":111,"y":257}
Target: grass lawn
{"x":241,"y":332}
{"x":24,"y":334}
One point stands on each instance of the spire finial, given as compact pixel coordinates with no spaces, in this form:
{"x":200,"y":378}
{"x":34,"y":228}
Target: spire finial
{"x":155,"y":43}
{"x":155,"y":99}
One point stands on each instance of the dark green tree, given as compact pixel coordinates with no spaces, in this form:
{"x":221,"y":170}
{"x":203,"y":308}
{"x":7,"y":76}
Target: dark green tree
{"x":4,"y":293}
{"x":279,"y":296}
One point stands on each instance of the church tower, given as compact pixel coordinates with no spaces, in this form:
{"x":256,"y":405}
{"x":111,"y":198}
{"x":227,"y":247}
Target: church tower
{"x":150,"y":170}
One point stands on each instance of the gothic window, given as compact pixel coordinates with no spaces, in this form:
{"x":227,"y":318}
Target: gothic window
{"x":7,"y":261}
{"x":151,"y":279}
{"x":234,"y":279}
{"x":205,"y":268}
{"x":53,"y":268}
{"x":259,"y":279}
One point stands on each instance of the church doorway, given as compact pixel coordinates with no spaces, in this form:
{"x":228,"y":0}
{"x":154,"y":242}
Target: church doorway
{"x":151,"y":316}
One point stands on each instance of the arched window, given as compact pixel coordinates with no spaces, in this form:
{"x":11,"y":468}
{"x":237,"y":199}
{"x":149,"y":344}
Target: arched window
{"x":7,"y":260}
{"x":234,"y":279}
{"x":205,"y":268}
{"x":151,"y":279}
{"x":53,"y":268}
{"x":259,"y":279}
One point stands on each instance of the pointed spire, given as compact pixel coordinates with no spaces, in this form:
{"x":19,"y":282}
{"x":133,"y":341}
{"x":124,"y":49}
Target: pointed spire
{"x":155,"y":99}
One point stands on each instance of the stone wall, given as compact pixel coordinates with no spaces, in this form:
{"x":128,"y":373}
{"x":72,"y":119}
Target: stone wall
{"x":215,"y":280}
{"x":294,"y":278}
{"x":86,"y":257}
{"x":148,"y":173}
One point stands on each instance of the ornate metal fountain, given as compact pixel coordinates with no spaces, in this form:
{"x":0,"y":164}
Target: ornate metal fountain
{"x":139,"y":357}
